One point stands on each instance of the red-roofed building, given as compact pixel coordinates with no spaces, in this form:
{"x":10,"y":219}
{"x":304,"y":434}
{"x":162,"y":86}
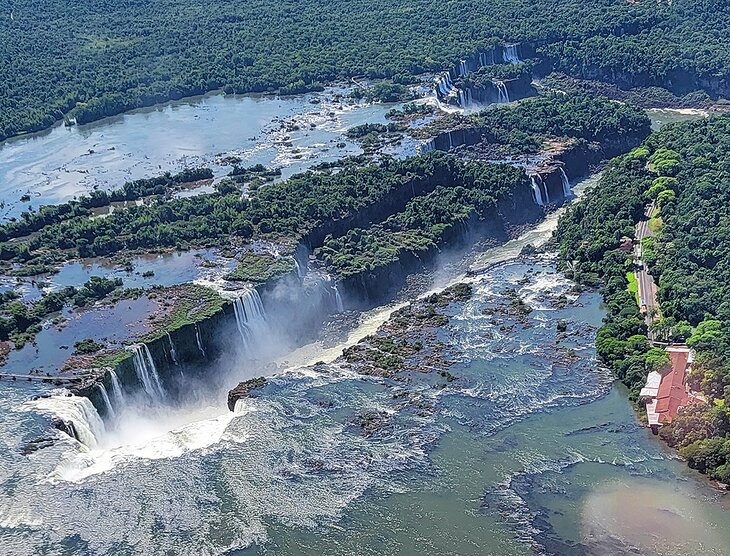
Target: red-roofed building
{"x":666,"y":391}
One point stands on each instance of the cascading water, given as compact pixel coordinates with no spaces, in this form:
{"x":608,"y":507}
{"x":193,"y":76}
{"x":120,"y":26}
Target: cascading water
{"x":173,"y":353}
{"x":536,"y":193}
{"x":502,"y":91}
{"x":109,"y":409}
{"x":250,"y":315}
{"x":199,"y":341}
{"x":88,"y":428}
{"x":545,"y":189}
{"x":300,"y":271}
{"x":463,"y":70}
{"x":566,"y":183}
{"x":116,"y":389}
{"x":510,"y":54}
{"x":338,"y":300}
{"x":146,"y":371}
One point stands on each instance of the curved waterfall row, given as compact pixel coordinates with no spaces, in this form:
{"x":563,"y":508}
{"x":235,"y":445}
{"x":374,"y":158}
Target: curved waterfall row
{"x":250,"y":316}
{"x":146,"y":371}
{"x":566,"y":183}
{"x":445,"y":89}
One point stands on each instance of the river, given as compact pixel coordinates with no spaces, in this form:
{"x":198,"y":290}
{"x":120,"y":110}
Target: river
{"x":534,"y":449}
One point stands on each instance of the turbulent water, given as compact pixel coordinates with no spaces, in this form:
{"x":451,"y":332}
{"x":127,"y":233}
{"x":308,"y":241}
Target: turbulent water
{"x":532,"y":449}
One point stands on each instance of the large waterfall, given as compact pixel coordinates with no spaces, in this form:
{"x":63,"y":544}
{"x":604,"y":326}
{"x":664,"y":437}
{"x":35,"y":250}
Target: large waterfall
{"x":566,"y":183}
{"x":250,"y":315}
{"x":510,"y":54}
{"x":536,"y":191}
{"x":502,"y":91}
{"x":146,"y":371}
{"x":78,"y":415}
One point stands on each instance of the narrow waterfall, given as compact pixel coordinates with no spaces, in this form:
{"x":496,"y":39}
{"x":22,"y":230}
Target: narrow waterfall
{"x":463,"y":70}
{"x":545,"y":189}
{"x":468,"y":97}
{"x":173,"y":353}
{"x":502,"y":91}
{"x":566,"y":183}
{"x":536,"y":193}
{"x":250,"y":315}
{"x":451,"y":143}
{"x":462,"y":98}
{"x":510,"y":54}
{"x":109,"y":409}
{"x":300,"y":271}
{"x":338,"y":300}
{"x":116,"y":390}
{"x":146,"y":371}
{"x":200,"y":342}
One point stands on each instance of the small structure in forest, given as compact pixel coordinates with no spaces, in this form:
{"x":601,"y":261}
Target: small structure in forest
{"x":666,"y":391}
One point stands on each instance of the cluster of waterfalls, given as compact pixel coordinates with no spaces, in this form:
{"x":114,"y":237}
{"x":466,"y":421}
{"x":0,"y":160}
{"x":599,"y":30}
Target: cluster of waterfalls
{"x":541,"y":192}
{"x":448,"y":92}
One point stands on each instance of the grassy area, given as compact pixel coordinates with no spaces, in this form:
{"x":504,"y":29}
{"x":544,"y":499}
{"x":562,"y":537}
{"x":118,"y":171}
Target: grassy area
{"x":633,"y":285}
{"x":260,"y":268}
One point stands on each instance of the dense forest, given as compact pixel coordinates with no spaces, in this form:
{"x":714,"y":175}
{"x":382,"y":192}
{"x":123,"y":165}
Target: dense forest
{"x":290,"y":209}
{"x":105,"y":59}
{"x":685,"y":171}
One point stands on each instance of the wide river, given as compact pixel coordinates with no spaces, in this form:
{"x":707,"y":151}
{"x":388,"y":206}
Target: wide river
{"x":532,"y":450}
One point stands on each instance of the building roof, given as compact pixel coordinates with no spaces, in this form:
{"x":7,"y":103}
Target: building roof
{"x":671,"y":393}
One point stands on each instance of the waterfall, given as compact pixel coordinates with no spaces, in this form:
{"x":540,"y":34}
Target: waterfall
{"x":502,"y":91}
{"x":338,"y":300}
{"x":451,"y":144}
{"x":250,"y":315}
{"x":462,"y":98}
{"x":105,"y":398}
{"x":462,"y":68}
{"x":566,"y":183}
{"x":117,"y":392}
{"x":173,"y":353}
{"x":200,"y":342}
{"x":78,"y":411}
{"x":300,"y":271}
{"x":537,"y":194}
{"x":545,"y":188}
{"x":146,"y":371}
{"x":468,"y":97}
{"x":510,"y":54}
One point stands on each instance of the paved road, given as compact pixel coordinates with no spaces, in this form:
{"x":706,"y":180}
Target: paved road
{"x":647,"y":286}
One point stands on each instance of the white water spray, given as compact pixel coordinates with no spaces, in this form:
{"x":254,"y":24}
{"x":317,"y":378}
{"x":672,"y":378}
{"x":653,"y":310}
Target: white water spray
{"x":536,"y":193}
{"x":80,"y":412}
{"x":566,"y":183}
{"x":502,"y":91}
{"x":510,"y":54}
{"x":338,"y":300}
{"x":146,"y":371}
{"x":250,"y":316}
{"x":116,"y":389}
{"x":107,"y":402}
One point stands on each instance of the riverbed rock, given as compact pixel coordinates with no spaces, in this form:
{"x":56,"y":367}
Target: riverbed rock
{"x":245,"y":389}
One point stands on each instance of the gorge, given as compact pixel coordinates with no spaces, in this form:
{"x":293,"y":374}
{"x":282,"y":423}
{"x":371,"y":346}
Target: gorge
{"x":377,"y":352}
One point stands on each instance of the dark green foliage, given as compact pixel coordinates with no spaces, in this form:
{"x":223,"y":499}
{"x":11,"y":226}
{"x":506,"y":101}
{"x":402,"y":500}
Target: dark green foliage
{"x":103,"y":59}
{"x":87,"y":346}
{"x":686,"y":169}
